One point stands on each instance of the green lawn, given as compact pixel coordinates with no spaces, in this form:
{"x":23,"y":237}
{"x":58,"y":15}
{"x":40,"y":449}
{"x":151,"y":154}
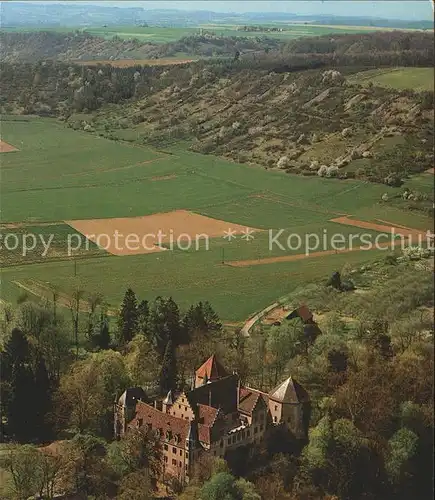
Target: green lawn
{"x":59,"y":174}
{"x":399,"y":78}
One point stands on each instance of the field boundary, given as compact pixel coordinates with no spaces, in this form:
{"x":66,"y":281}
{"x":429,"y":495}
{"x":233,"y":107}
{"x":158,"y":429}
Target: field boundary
{"x":412,"y":234}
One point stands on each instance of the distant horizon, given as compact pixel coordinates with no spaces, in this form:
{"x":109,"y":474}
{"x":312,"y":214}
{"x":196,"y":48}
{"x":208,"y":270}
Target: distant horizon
{"x":418,"y":10}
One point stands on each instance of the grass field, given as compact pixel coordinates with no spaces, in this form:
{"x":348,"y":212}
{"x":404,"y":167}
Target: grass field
{"x":397,"y":78}
{"x":59,"y":174}
{"x":169,"y":34}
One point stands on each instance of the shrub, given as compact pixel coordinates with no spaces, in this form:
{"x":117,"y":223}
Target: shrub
{"x":282,"y":162}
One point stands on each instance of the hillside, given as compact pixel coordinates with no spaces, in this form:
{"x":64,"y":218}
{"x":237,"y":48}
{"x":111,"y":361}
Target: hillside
{"x":303,"y":112}
{"x":46,"y":45}
{"x":304,"y":122}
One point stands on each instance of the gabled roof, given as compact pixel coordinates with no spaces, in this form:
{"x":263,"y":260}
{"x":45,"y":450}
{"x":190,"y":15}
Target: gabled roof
{"x":207,"y":414}
{"x":302,"y":312}
{"x":171,"y":427}
{"x":146,"y":414}
{"x":289,"y":391}
{"x":248,"y":399}
{"x":211,"y":369}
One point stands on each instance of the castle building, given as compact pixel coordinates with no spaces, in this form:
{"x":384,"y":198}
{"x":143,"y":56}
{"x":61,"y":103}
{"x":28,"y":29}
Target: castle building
{"x":217,"y":415}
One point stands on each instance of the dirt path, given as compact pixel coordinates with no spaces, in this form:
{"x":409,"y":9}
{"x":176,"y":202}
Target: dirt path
{"x":287,"y":258}
{"x":251,"y":321}
{"x":413,"y":235}
{"x":382,"y":228}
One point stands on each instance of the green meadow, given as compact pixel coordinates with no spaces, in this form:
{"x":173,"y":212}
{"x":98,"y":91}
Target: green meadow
{"x":397,"y":78}
{"x":59,"y":174}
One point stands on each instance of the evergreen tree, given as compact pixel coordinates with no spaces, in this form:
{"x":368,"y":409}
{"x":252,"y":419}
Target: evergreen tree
{"x":42,"y":402}
{"x":127,"y":321}
{"x":164,"y":324}
{"x":16,"y":385}
{"x":143,"y":312}
{"x":173,"y":324}
{"x":168,"y":373}
{"x":17,"y":350}
{"x":200,"y":318}
{"x":20,"y":423}
{"x":211,"y":318}
{"x":104,"y":337}
{"x":101,"y":337}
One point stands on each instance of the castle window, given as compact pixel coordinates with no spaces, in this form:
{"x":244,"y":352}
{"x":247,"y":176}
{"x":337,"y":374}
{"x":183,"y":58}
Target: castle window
{"x":174,"y":462}
{"x":274,"y":419}
{"x":140,"y":422}
{"x":187,"y":454}
{"x":180,"y":464}
{"x":181,"y":453}
{"x":166,"y":447}
{"x":179,"y":406}
{"x":165,"y":459}
{"x":261,"y":427}
{"x":174,"y":450}
{"x":276,"y":407}
{"x":182,"y":416}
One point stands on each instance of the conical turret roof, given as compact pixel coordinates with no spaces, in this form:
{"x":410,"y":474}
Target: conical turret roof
{"x":169,"y":399}
{"x":289,"y":391}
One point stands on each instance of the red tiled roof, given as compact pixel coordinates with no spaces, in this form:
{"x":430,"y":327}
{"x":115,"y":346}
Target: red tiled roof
{"x":248,"y":399}
{"x":304,"y":313}
{"x":204,"y":433}
{"x":212,"y":368}
{"x":160,"y":420}
{"x":207,"y":414}
{"x":177,"y":426}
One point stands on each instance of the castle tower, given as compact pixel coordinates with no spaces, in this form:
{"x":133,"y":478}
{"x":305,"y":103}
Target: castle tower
{"x":210,"y":371}
{"x":168,"y":402}
{"x":289,"y":404}
{"x":125,"y":408}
